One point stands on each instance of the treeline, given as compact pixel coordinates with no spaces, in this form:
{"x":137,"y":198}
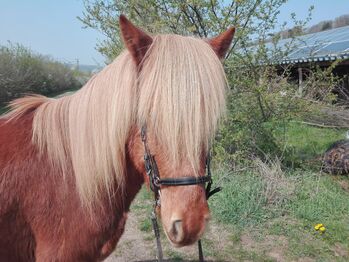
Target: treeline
{"x":329,"y":24}
{"x":23,"y":71}
{"x":319,"y":27}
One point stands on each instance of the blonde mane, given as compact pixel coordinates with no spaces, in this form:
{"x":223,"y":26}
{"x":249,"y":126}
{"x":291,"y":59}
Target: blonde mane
{"x":179,"y":95}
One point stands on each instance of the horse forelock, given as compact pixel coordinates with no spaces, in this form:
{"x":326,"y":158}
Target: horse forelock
{"x":182,"y":96}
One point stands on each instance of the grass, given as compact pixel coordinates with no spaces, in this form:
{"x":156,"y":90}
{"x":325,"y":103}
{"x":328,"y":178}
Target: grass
{"x":174,"y":256}
{"x":268,"y":213}
{"x":241,"y":201}
{"x":267,"y":202}
{"x":317,"y":199}
{"x":320,"y":199}
{"x":305,"y":144}
{"x":146,"y":225}
{"x":143,"y":208}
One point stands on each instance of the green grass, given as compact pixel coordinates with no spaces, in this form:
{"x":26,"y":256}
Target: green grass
{"x":241,"y":202}
{"x":284,"y":228}
{"x":304,"y":144}
{"x":174,"y":256}
{"x":318,"y":199}
{"x":146,"y":225}
{"x":314,"y":197}
{"x":142,"y":206}
{"x":3,"y":109}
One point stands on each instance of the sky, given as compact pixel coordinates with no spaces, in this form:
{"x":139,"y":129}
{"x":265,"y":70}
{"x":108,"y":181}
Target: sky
{"x":51,"y":28}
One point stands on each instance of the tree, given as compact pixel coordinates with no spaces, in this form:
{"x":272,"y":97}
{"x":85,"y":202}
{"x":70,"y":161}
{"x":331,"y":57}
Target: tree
{"x":260,"y":93}
{"x":201,"y":18}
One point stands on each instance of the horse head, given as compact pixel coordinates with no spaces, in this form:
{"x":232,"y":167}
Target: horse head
{"x":181,"y":96}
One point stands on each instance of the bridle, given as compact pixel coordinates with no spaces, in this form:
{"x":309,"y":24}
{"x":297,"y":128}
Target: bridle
{"x":156,"y":182}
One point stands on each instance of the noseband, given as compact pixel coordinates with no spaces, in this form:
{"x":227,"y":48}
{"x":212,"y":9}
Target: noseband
{"x":156,"y":182}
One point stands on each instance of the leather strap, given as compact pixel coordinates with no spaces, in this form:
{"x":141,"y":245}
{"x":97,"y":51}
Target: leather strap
{"x":184,"y":181}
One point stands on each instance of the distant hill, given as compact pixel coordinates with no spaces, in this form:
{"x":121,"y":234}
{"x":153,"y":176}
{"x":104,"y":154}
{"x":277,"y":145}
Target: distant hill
{"x":85,"y":68}
{"x":339,"y":21}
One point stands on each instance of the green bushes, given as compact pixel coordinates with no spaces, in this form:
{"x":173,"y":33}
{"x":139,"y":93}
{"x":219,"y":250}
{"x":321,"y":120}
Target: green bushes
{"x":265,"y":99}
{"x":22,"y":71}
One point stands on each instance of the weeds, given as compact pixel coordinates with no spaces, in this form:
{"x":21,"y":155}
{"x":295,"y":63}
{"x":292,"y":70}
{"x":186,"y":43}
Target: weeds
{"x":278,"y":188}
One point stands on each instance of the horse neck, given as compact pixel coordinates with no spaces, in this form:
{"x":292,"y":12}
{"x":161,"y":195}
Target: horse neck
{"x":134,"y":169}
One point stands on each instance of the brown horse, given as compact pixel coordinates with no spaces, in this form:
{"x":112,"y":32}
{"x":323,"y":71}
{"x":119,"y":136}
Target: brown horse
{"x":70,"y":167}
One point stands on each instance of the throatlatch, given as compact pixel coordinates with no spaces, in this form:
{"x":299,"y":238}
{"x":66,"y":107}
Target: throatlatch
{"x":156,"y":182}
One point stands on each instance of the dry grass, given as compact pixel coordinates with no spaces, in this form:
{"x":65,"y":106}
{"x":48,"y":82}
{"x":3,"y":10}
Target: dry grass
{"x":278,"y":188}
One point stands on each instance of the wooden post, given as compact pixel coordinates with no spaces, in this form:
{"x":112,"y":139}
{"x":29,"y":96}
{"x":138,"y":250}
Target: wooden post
{"x":300,"y":81}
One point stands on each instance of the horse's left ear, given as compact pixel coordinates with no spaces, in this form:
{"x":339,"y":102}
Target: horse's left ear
{"x":220,"y":44}
{"x":136,"y":41}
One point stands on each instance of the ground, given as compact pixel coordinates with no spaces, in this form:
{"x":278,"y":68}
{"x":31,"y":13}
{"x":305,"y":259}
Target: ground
{"x":133,"y":246}
{"x":286,"y":234}
{"x":138,"y":241}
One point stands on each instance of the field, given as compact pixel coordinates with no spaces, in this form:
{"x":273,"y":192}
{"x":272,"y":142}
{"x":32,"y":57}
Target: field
{"x":267,"y":213}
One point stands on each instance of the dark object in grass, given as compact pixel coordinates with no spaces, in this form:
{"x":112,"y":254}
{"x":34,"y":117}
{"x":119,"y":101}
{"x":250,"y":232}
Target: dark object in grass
{"x":336,"y":158}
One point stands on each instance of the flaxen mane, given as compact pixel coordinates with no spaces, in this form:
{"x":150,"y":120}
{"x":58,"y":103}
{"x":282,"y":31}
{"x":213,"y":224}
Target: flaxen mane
{"x":179,"y":95}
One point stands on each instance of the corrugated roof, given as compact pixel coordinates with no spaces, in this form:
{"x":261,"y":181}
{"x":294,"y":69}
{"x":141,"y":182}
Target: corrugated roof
{"x":327,"y":45}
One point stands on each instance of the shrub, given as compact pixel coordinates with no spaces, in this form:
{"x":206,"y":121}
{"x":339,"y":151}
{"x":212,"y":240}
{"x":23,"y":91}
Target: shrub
{"x":23,"y":71}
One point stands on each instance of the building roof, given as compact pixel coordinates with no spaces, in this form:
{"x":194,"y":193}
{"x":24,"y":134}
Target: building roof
{"x":327,"y":45}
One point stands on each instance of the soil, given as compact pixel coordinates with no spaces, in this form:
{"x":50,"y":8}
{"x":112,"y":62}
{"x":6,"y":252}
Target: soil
{"x":132,"y":246}
{"x":137,"y":245}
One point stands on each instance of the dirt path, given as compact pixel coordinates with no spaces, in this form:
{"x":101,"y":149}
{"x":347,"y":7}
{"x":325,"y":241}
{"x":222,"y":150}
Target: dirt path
{"x":220,"y":242}
{"x":138,"y":242}
{"x":133,"y":245}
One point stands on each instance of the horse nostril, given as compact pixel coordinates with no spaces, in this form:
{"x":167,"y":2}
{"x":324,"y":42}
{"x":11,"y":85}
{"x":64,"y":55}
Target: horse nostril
{"x":177,"y":230}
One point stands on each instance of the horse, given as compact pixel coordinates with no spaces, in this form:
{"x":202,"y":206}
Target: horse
{"x":71,"y":166}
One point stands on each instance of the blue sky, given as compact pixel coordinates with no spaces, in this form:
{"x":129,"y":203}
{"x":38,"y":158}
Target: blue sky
{"x":51,"y":27}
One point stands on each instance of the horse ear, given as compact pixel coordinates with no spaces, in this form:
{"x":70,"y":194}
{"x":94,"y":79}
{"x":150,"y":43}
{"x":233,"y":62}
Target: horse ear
{"x":136,"y":41}
{"x":220,"y":44}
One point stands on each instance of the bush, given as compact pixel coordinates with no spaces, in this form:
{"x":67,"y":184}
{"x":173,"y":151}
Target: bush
{"x":263,"y":96}
{"x":22,"y":72}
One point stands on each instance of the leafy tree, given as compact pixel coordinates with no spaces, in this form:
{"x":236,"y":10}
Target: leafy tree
{"x":197,"y":17}
{"x":261,"y":96}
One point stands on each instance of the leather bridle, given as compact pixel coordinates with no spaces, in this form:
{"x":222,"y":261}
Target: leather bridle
{"x":156,"y":182}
